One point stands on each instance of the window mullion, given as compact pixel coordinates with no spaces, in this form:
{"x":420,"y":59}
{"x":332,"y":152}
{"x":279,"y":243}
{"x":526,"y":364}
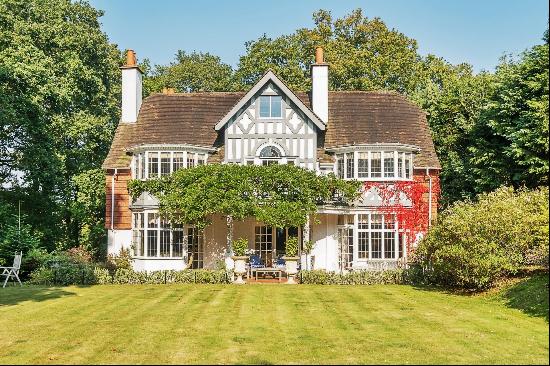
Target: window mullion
{"x":396,"y":238}
{"x":383,"y":256}
{"x":355,"y":237}
{"x":355,"y":165}
{"x":395,"y":165}
{"x":369,"y":230}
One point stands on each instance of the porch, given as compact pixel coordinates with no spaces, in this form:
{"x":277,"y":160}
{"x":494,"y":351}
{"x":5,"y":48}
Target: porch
{"x":342,"y":241}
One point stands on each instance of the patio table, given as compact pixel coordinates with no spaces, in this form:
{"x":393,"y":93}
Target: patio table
{"x":273,"y":271}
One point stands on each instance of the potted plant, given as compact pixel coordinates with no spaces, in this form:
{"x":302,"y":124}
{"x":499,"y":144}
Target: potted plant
{"x":291,"y":259}
{"x":240,"y":246}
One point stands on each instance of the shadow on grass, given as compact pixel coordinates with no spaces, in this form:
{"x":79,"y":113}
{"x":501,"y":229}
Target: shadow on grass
{"x":15,"y":295}
{"x":530,"y":295}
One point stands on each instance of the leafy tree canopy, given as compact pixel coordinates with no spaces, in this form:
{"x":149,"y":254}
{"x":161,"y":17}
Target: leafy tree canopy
{"x":59,"y":97}
{"x":277,"y":195}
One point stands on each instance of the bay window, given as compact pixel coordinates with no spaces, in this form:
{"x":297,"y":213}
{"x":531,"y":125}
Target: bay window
{"x":155,"y":164}
{"x":156,"y":237}
{"x":374,"y":165}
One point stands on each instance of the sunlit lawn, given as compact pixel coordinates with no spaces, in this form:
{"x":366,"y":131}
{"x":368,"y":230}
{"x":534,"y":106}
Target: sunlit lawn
{"x":270,"y":324}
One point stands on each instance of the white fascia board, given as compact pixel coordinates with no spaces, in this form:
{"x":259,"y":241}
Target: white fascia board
{"x":374,"y":147}
{"x":170,"y":147}
{"x":270,"y":76}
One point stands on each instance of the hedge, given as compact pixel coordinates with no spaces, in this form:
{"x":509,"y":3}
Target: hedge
{"x":92,"y":275}
{"x":388,"y":277}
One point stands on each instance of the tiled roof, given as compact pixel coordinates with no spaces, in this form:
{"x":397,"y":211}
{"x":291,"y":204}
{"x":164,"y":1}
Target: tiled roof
{"x":355,"y":117}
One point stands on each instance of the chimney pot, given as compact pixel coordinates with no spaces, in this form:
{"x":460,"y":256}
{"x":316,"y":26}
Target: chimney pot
{"x":319,"y":56}
{"x":130,"y":58}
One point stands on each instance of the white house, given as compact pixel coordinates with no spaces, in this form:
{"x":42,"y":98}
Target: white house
{"x":371,"y":136}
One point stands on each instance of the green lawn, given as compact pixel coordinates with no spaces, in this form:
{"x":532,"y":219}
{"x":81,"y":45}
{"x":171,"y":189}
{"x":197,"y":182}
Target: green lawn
{"x":270,"y":324}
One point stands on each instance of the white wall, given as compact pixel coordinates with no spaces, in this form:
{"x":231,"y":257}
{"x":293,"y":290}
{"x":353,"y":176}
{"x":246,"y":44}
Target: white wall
{"x":160,"y":264}
{"x":118,"y":239}
{"x":325,"y":238}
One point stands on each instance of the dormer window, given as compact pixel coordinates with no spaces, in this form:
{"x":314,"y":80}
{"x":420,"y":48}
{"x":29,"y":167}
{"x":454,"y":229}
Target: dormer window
{"x":270,"y":106}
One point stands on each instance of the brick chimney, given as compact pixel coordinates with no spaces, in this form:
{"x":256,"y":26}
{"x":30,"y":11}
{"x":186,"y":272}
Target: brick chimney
{"x":319,"y":85}
{"x":131,"y":88}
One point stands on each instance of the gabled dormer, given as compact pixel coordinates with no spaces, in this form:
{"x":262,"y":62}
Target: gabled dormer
{"x":271,"y":125}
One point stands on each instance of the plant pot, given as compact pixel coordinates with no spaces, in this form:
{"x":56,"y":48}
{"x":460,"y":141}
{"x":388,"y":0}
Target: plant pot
{"x":240,"y":268}
{"x":291,"y":269}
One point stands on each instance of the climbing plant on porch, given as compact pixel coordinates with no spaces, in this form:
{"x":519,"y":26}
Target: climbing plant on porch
{"x":277,"y":195}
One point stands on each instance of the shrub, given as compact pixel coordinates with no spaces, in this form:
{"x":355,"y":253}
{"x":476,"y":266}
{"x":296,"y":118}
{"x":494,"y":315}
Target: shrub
{"x":80,"y":255}
{"x":102,"y":276}
{"x":291,"y":248}
{"x":321,"y":277}
{"x":122,"y":260}
{"x":475,"y":243}
{"x":42,"y":276}
{"x":240,"y":246}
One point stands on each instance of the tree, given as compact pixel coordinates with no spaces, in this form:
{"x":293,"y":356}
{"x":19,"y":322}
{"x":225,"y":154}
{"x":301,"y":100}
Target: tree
{"x":363,"y":54}
{"x":454,"y":98}
{"x":60,"y":87}
{"x":278,"y":195}
{"x":511,"y":146}
{"x":194,"y":72}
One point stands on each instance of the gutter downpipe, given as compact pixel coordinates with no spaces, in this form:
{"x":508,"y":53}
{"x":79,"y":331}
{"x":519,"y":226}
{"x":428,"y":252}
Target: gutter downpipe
{"x":429,"y":198}
{"x":113,"y":199}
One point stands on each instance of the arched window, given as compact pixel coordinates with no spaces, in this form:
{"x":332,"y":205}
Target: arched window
{"x":270,"y":152}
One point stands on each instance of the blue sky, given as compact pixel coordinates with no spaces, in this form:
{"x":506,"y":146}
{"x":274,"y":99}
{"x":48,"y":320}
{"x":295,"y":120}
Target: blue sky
{"x":473,"y":31}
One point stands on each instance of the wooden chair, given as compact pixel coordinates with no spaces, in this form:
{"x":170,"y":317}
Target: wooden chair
{"x":13,"y":271}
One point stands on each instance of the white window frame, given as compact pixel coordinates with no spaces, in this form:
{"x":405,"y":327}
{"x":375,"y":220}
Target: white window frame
{"x":270,"y":112}
{"x":405,"y":157}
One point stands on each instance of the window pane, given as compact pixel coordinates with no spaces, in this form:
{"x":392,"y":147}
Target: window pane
{"x":165,"y":163}
{"x":400,"y":166}
{"x":270,"y":152}
{"x":195,"y":247}
{"x":363,"y":244}
{"x":389,"y":244}
{"x":200,"y":160}
{"x":376,"y":165}
{"x":363,"y":222}
{"x":142,"y":165}
{"x":190,"y":160}
{"x":152,"y":243}
{"x":264,"y":106}
{"x":178,"y":161}
{"x":177,"y":250}
{"x":276,"y":110}
{"x":350,"y":165}
{"x":165,"y":243}
{"x":363,"y":165}
{"x":376,"y":222}
{"x":388,"y":165}
{"x":376,"y":238}
{"x":408,"y":159}
{"x":340,"y":165}
{"x":153,"y":165}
